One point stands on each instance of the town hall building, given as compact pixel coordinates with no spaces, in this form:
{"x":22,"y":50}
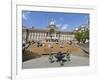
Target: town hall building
{"x":50,"y":34}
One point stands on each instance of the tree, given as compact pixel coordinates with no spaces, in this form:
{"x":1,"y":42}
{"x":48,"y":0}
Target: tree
{"x":27,"y":35}
{"x":82,"y":36}
{"x":78,"y":36}
{"x":87,"y":34}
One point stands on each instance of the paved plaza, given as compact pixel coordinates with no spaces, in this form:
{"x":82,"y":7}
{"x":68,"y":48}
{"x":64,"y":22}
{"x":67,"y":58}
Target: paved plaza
{"x":78,"y":57}
{"x":43,"y":62}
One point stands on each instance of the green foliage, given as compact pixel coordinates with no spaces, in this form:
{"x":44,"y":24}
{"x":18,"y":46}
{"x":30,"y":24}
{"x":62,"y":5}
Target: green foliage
{"x":78,"y":36}
{"x":87,"y":34}
{"x":82,"y":36}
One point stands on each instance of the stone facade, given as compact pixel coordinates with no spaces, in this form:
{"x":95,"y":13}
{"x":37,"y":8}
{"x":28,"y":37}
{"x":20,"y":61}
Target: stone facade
{"x":50,"y":34}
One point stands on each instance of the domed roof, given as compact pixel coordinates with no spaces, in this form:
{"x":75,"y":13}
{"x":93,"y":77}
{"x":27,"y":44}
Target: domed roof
{"x":52,"y":25}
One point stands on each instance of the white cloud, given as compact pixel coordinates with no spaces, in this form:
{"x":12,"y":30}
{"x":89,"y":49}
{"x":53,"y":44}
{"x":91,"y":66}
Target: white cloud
{"x":58,"y":25}
{"x":63,"y":27}
{"x":25,"y":15}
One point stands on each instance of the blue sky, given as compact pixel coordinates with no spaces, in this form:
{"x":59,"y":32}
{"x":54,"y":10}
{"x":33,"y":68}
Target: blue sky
{"x":64,"y":21}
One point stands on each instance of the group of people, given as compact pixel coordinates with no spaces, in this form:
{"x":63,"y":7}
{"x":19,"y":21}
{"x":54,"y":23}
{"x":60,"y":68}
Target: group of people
{"x":39,"y":44}
{"x":51,"y":45}
{"x":59,"y":57}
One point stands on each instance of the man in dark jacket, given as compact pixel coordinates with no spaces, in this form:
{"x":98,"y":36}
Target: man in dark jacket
{"x":59,"y":56}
